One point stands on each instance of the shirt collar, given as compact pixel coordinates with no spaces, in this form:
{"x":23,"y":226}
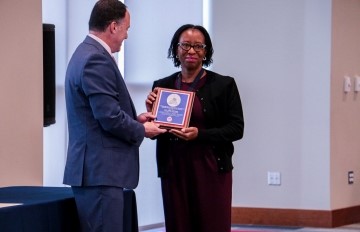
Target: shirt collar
{"x":107,"y":48}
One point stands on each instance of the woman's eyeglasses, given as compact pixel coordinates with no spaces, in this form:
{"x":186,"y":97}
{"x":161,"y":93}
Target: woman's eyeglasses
{"x":196,"y":47}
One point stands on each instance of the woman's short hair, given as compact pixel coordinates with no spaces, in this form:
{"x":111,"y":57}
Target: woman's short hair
{"x":172,"y":51}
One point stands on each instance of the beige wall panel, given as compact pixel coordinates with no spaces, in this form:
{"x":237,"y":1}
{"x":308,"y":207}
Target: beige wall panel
{"x":345,"y":107}
{"x":21,"y":93}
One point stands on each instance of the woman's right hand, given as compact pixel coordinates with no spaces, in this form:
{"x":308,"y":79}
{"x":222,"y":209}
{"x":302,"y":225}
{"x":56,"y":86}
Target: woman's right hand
{"x":151,"y":97}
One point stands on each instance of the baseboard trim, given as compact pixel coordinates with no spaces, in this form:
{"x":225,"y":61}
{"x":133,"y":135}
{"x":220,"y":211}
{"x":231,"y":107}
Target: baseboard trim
{"x":296,"y":217}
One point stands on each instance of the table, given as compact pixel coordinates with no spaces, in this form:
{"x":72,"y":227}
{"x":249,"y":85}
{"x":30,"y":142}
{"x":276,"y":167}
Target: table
{"x":50,"y":209}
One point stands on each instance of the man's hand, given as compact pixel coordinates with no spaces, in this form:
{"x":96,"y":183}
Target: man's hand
{"x":145,"y":117}
{"x":152,"y":129}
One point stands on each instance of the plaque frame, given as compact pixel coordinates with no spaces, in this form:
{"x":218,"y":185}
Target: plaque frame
{"x":172,"y":108}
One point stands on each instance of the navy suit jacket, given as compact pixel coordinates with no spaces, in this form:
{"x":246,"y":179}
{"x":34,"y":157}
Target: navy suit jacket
{"x":104,"y":136}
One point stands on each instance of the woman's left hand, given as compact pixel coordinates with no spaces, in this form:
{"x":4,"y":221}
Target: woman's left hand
{"x":187,"y":134}
{"x":150,"y":99}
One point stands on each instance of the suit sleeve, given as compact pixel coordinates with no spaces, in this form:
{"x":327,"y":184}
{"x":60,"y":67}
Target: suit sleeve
{"x":110,"y":101}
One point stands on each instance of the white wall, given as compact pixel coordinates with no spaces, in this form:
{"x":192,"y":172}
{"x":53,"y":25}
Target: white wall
{"x":71,"y":26}
{"x":279,"y":53}
{"x":54,"y":12}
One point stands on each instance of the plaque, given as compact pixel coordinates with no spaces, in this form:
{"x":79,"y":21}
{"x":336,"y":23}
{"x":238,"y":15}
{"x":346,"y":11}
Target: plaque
{"x":172,"y":108}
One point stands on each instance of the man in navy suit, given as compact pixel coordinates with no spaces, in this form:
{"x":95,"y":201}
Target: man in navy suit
{"x":104,"y":131}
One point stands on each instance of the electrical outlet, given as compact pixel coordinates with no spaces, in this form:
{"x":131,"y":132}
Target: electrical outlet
{"x":347,"y":84}
{"x":350,"y":177}
{"x":274,"y":178}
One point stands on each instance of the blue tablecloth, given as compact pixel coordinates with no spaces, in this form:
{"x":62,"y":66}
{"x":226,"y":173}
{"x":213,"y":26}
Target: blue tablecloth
{"x":50,"y":209}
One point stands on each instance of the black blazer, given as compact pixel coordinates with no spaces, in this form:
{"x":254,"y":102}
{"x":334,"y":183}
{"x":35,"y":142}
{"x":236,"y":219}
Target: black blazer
{"x":224,"y":119}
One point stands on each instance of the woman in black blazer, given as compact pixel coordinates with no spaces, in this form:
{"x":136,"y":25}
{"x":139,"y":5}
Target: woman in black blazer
{"x":194,"y":163}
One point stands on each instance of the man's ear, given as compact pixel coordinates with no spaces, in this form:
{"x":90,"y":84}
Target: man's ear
{"x":112,"y":27}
